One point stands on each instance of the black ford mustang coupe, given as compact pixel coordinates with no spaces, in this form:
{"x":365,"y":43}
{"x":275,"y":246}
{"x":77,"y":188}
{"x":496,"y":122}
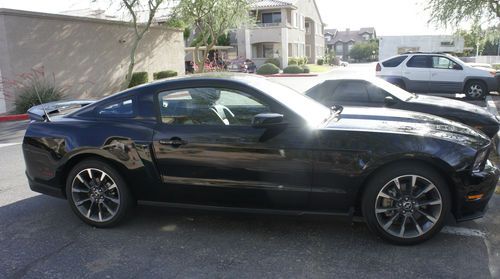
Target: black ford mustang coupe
{"x":247,"y":144}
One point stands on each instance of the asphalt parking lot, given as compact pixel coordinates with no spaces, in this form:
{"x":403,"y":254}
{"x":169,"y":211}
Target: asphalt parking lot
{"x":41,"y":238}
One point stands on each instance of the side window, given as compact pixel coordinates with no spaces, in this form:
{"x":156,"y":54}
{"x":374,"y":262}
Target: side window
{"x":209,"y":106}
{"x":419,"y":61}
{"x":394,"y":62}
{"x":377,"y":94}
{"x":439,"y":62}
{"x":122,"y":108}
{"x":350,"y":91}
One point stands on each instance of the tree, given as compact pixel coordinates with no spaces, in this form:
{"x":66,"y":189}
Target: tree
{"x":480,"y":40}
{"x":134,"y":7}
{"x":453,"y":12}
{"x":211,"y":19}
{"x":364,"y":51}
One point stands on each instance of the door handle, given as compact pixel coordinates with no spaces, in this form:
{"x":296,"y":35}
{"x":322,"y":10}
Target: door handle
{"x":175,"y":142}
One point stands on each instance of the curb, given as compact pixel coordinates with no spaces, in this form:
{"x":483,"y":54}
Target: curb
{"x":14,"y":117}
{"x":292,"y":75}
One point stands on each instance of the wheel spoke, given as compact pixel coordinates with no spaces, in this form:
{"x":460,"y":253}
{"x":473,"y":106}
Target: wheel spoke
{"x":403,"y":227}
{"x":79,"y":203}
{"x":90,"y":209}
{"x":384,"y":195}
{"x":111,"y":187}
{"x":427,"y":189}
{"x":398,"y":186}
{"x":434,"y":202}
{"x":417,"y":226}
{"x":103,"y":175}
{"x":100,"y":211}
{"x":112,"y":212}
{"x":76,"y":190}
{"x":389,"y":223}
{"x":429,"y":217}
{"x":83,"y":181}
{"x":115,"y":200}
{"x":386,"y":209}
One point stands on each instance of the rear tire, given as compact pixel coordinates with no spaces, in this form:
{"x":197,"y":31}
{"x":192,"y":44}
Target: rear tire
{"x":475,"y":90}
{"x":402,"y":214}
{"x":98,"y":194}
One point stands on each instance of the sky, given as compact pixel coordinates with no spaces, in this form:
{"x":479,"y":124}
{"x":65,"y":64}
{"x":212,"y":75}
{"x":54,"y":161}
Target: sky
{"x":389,"y":17}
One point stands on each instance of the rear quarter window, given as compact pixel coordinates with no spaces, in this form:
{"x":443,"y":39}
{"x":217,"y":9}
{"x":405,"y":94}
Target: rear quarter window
{"x":120,"y":108}
{"x":394,"y":62}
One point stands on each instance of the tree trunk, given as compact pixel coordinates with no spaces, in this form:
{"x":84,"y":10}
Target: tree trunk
{"x":131,"y":65}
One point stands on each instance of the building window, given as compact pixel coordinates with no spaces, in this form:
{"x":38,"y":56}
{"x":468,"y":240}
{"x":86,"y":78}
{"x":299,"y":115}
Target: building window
{"x":448,"y":44}
{"x":296,"y":20}
{"x":339,"y":48}
{"x":271,"y":17}
{"x":308,"y":28}
{"x":268,"y":51}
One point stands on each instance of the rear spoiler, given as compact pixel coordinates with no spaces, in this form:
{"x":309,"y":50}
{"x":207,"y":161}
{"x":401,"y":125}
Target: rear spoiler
{"x":37,"y":113}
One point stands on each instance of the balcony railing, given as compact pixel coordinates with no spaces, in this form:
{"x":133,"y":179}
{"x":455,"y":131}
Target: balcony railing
{"x":263,"y":25}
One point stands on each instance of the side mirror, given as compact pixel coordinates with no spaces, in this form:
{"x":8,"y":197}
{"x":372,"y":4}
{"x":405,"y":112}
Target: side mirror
{"x":267,"y":120}
{"x":389,"y":101}
{"x":457,"y":67}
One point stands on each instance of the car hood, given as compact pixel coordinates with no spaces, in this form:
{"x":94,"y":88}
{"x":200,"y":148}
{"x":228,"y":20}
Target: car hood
{"x":385,"y":120}
{"x":450,"y":104}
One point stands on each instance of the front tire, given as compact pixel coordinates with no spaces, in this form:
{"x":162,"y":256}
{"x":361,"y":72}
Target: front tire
{"x":97,"y":193}
{"x":475,"y":90}
{"x":406,"y":204}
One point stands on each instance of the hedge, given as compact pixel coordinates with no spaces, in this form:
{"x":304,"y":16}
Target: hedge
{"x":306,"y":69}
{"x":138,"y":78}
{"x":268,"y":69}
{"x":293,"y":61}
{"x":320,"y":61}
{"x":274,"y":61}
{"x":293,"y":69}
{"x":164,"y":74}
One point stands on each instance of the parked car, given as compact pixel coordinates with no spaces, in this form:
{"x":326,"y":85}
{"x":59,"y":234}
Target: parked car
{"x":437,"y":73}
{"x":375,"y":92}
{"x":247,"y":144}
{"x":343,"y":63}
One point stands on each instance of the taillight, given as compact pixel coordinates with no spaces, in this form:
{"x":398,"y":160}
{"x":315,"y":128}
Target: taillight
{"x":378,"y":68}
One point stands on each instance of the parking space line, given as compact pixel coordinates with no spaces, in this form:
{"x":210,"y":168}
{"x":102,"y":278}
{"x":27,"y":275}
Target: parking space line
{"x":9,"y":144}
{"x":460,"y":231}
{"x":492,"y":108}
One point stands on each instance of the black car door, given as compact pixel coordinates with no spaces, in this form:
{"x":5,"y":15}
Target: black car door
{"x":208,"y":153}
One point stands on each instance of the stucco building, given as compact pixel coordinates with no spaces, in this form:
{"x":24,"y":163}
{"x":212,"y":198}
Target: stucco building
{"x":342,"y":41}
{"x":284,"y":28}
{"x":88,"y":56}
{"x":394,"y":45}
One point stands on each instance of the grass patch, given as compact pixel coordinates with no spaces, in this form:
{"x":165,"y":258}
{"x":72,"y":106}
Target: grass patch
{"x":319,"y":68}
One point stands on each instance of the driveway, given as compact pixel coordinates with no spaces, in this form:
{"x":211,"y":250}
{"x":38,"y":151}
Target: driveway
{"x":41,"y":238}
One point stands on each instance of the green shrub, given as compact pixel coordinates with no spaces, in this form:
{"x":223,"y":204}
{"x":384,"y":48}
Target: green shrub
{"x":138,"y":78}
{"x":293,"y":61}
{"x":268,"y":69}
{"x":496,"y":66}
{"x":306,"y":69}
{"x":274,"y":61}
{"x":164,"y":74}
{"x":293,"y":69}
{"x":33,"y":89}
{"x":320,"y":61}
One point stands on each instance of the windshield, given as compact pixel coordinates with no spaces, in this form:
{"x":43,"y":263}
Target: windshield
{"x":393,"y":89}
{"x":311,"y":111}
